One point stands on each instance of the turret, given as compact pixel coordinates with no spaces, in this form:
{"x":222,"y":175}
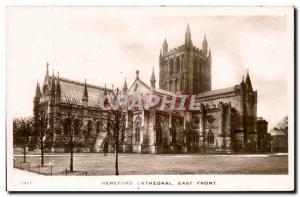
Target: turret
{"x":209,"y":57}
{"x":248,"y":82}
{"x":125,"y":88}
{"x":85,"y":96}
{"x":160,"y":66}
{"x":152,"y":80}
{"x":165,"y":47}
{"x":37,"y":97}
{"x":188,"y":37}
{"x":37,"y":91}
{"x":204,"y":46}
{"x":47,"y":69}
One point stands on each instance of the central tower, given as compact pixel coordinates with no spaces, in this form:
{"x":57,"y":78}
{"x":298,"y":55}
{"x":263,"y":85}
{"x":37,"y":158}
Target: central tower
{"x":185,"y":69}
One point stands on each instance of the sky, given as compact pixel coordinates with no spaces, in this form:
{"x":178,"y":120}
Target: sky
{"x":106,"y":44}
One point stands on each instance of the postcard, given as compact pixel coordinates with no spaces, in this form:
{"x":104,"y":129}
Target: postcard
{"x":160,"y":98}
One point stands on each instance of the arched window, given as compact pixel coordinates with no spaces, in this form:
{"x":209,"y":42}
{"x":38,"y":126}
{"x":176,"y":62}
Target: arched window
{"x":195,"y":66}
{"x":158,"y":133}
{"x":210,"y":138}
{"x":165,"y":85}
{"x":171,"y":86}
{"x":88,"y":129}
{"x":176,"y":85}
{"x":173,"y":132}
{"x":181,"y":84}
{"x":137,"y":132}
{"x":76,"y":127}
{"x":171,"y":66}
{"x":177,"y":65}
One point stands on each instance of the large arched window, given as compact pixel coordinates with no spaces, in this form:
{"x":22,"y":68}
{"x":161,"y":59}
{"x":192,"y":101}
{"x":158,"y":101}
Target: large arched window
{"x":137,"y":131}
{"x":158,"y":133}
{"x":88,"y":129}
{"x":195,"y":66}
{"x":173,"y":132}
{"x":210,"y":138}
{"x":171,"y":66}
{"x":181,"y":84}
{"x":177,"y":65}
{"x":171,"y":86}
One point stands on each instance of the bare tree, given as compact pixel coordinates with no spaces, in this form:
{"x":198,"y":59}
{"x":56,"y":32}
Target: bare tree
{"x":40,"y":126}
{"x":115,"y":119}
{"x":71,"y":119}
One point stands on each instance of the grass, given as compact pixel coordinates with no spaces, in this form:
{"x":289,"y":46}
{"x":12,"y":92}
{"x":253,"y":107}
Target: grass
{"x":142,"y":164}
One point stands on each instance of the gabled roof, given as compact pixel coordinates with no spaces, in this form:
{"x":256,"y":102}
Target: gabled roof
{"x":142,"y":87}
{"x":138,"y":85}
{"x":216,"y":92}
{"x":72,"y":92}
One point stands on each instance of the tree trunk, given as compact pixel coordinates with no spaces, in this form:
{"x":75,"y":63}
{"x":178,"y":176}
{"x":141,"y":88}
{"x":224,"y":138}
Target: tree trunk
{"x":24,"y":154}
{"x":71,"y":158}
{"x":117,"y":159}
{"x":42,"y":153}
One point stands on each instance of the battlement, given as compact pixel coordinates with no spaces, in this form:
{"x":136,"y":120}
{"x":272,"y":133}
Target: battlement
{"x":181,"y":48}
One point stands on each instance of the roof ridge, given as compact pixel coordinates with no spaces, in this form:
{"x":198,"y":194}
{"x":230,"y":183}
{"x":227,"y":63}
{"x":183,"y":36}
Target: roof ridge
{"x":80,"y":83}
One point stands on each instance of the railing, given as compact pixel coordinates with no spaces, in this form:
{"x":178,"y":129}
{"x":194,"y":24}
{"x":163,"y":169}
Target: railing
{"x":76,"y":173}
{"x":45,"y":170}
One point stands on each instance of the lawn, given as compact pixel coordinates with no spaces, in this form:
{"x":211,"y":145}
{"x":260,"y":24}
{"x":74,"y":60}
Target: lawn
{"x":142,"y":164}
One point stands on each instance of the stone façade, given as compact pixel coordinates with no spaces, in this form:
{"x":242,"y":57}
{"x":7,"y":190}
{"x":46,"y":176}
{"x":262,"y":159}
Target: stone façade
{"x":225,"y":123}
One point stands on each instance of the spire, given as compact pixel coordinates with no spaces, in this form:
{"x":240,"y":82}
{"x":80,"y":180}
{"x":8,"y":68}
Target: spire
{"x":85,"y":91}
{"x":248,"y":81}
{"x":165,"y":47}
{"x":58,"y":89}
{"x":152,"y":80}
{"x":52,"y":87}
{"x":37,"y":90}
{"x":125,"y":86}
{"x":188,"y":37}
{"x":204,"y":45}
{"x":188,"y":32}
{"x":47,"y":68}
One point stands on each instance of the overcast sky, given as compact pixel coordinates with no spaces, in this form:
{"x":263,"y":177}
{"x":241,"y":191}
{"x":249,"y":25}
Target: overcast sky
{"x":105,"y":45}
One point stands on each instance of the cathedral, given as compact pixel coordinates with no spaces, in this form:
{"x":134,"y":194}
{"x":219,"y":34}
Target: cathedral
{"x":226,"y":121}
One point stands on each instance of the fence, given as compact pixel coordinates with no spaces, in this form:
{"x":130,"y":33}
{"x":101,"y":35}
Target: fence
{"x":45,"y":170}
{"x":76,"y":173}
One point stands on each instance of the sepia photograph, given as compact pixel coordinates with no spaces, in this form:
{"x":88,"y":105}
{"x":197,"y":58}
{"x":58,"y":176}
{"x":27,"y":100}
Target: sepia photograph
{"x":162,"y":98}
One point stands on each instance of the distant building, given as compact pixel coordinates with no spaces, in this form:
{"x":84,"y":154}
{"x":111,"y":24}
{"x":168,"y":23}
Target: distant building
{"x":279,"y":136}
{"x":226,"y":122}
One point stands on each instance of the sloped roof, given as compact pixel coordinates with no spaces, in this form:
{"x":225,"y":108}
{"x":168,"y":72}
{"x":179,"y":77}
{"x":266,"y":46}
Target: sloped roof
{"x":72,"y":92}
{"x":161,"y":91}
{"x":216,"y":92}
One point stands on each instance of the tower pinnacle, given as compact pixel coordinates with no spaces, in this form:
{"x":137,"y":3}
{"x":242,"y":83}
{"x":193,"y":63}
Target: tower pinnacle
{"x":125,"y":89}
{"x":188,"y":37}
{"x":204,"y":45}
{"x":153,"y":80}
{"x":165,"y":47}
